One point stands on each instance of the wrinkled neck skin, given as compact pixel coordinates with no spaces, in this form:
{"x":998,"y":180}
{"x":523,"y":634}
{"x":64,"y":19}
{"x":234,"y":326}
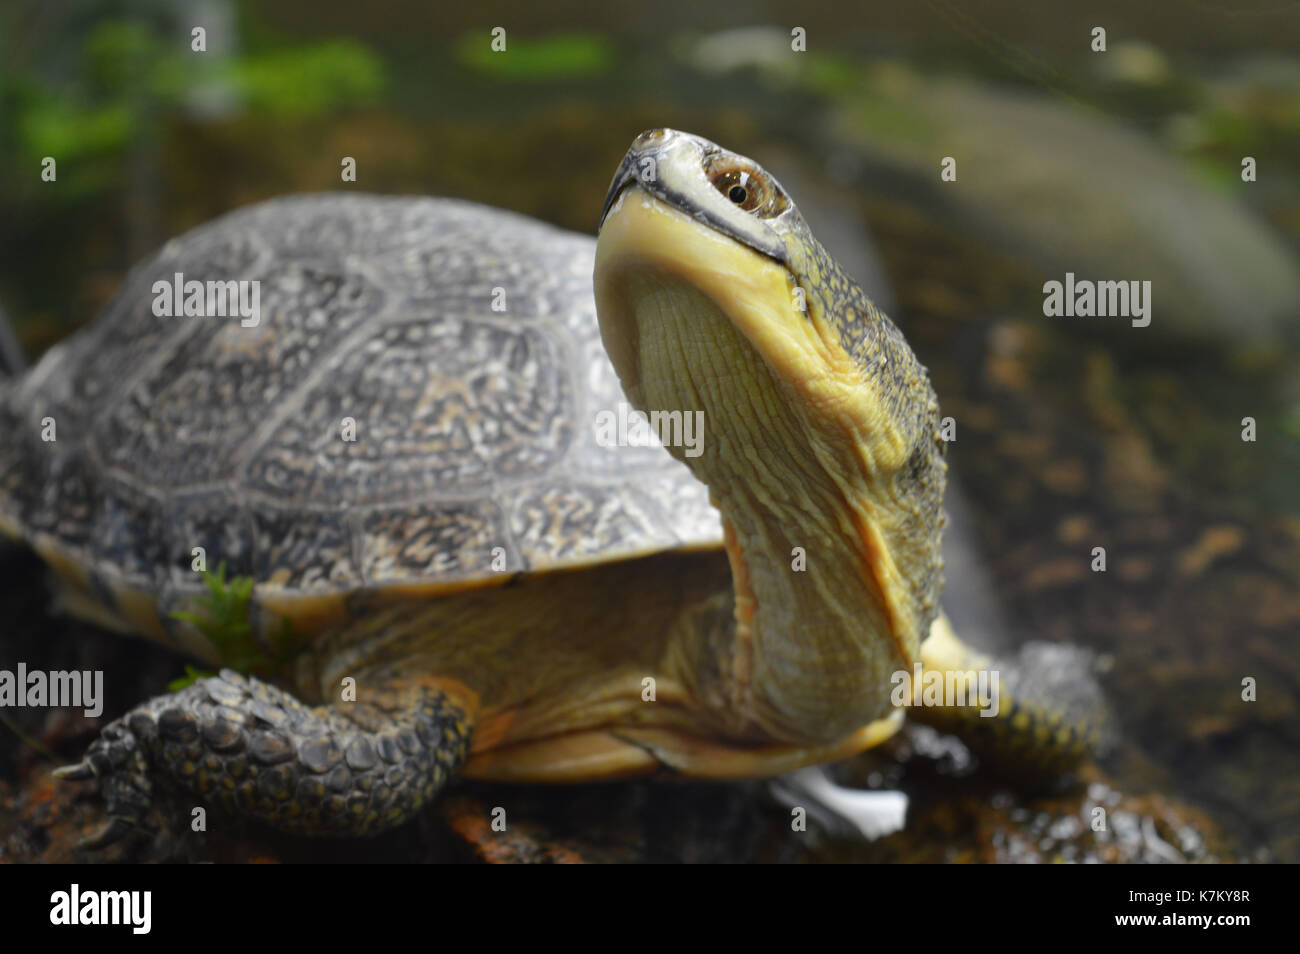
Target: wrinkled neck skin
{"x":813,"y":643}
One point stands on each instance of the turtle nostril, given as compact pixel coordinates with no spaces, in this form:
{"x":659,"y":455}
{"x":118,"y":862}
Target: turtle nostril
{"x":649,"y":137}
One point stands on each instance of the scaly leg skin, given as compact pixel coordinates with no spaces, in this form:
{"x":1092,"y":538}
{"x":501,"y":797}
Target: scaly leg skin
{"x":239,"y":744}
{"x":1051,"y":712}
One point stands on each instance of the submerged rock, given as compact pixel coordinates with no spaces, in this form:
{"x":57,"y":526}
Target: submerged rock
{"x":1071,"y":190}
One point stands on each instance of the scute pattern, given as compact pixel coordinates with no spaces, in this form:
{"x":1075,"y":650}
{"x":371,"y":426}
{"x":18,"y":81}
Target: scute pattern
{"x":218,"y":522}
{"x":463,"y":342}
{"x":304,"y":550}
{"x":439,"y":406}
{"x":69,"y":502}
{"x":568,"y":522}
{"x":128,"y":532}
{"x":188,"y":420}
{"x":132,"y":331}
{"x":410,"y":544}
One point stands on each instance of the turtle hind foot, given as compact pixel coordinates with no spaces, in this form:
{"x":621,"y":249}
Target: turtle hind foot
{"x":247,"y":749}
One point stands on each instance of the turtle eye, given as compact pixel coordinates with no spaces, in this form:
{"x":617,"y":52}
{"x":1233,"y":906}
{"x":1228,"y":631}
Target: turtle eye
{"x":742,"y":188}
{"x":749,"y":188}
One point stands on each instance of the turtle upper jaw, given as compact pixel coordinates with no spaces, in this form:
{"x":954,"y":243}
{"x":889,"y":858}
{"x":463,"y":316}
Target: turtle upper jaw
{"x":694,"y":320}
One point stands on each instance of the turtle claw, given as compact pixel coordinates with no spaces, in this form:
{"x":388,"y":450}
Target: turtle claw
{"x":113,"y":830}
{"x":78,"y":773}
{"x":117,"y":827}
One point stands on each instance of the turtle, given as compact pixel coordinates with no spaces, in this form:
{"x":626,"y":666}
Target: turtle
{"x":452,"y":551}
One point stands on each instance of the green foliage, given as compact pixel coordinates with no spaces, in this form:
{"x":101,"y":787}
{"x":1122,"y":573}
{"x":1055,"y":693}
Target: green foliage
{"x":120,"y":56}
{"x":559,"y":56}
{"x":132,"y":76}
{"x":309,"y":81}
{"x":191,"y":676}
{"x":831,"y":75}
{"x":74,"y":133}
{"x":225,"y":620}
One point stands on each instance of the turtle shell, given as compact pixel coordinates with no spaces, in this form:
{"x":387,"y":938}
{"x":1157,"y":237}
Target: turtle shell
{"x":416,"y":405}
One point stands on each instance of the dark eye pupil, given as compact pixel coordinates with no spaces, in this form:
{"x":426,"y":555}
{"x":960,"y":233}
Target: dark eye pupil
{"x":737,"y":194}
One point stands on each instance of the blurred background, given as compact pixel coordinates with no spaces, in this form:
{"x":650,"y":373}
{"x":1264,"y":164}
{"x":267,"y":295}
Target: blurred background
{"x":1122,"y":164}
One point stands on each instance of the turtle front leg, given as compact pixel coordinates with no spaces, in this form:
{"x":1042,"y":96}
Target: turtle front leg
{"x":237,"y":743}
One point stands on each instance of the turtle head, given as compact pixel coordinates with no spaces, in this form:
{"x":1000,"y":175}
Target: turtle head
{"x":820,"y":443}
